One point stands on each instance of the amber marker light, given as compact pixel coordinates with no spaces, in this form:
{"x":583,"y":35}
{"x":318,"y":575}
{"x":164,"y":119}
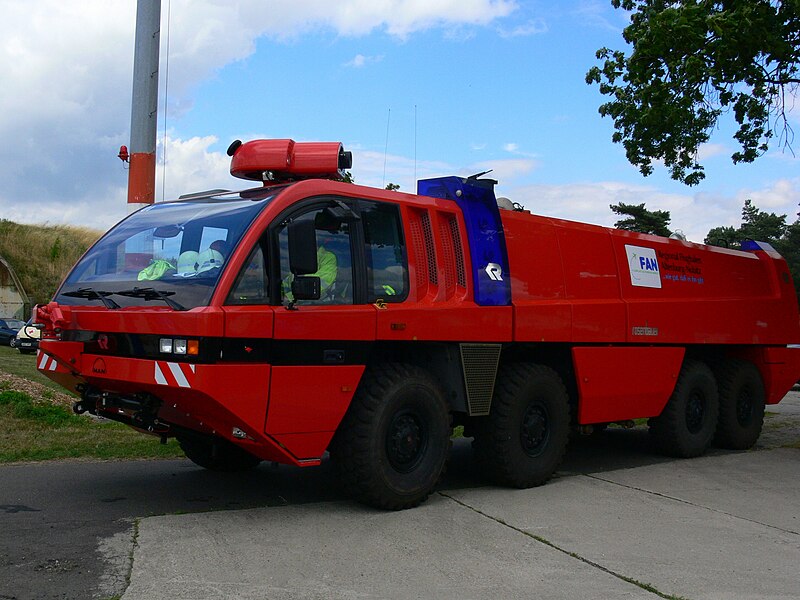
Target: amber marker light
{"x":192,"y":347}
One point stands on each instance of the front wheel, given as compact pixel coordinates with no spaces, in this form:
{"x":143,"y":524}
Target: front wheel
{"x":523,"y":440}
{"x":392,"y":444}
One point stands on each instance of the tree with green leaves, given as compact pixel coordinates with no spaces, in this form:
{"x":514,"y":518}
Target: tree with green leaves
{"x":789,"y":247}
{"x":392,"y":187}
{"x":641,"y":220}
{"x":756,"y":225}
{"x":692,"y":61}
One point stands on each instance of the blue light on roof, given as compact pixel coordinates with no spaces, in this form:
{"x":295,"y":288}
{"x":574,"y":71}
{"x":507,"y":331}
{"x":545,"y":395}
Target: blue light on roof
{"x":752,"y":246}
{"x":487,"y":242}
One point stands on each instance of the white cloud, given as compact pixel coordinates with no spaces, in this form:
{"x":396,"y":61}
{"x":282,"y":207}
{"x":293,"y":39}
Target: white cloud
{"x":532,"y":27}
{"x":192,"y":167}
{"x":783,"y":196}
{"x":694,"y":214}
{"x":507,"y":170}
{"x":706,"y":151}
{"x":66,"y":71}
{"x":359,"y":61}
{"x":511,"y":147}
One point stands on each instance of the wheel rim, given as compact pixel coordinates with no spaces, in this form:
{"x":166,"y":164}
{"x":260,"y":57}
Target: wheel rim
{"x":744,"y":406}
{"x":695,"y":411}
{"x":406,"y":441}
{"x":535,"y":430}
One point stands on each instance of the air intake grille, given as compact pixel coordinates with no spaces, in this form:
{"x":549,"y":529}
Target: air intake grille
{"x":448,"y":258}
{"x":480,"y":370}
{"x":459,"y":252}
{"x":427,"y":231}
{"x":418,"y":241}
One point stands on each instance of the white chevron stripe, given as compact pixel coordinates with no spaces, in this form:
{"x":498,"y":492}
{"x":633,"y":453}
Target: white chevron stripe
{"x":175,"y":369}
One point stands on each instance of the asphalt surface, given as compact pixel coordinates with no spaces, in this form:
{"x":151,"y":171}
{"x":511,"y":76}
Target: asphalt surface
{"x":619,"y":521}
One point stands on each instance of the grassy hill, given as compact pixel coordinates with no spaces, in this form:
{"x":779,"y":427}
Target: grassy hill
{"x":42,"y":255}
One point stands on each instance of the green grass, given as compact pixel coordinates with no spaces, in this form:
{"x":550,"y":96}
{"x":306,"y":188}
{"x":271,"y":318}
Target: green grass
{"x":33,"y":430}
{"x":36,"y":429}
{"x":24,"y":365}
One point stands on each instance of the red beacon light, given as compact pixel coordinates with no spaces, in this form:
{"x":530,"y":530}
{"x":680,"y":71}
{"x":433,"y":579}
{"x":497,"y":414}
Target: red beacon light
{"x":279,"y":161}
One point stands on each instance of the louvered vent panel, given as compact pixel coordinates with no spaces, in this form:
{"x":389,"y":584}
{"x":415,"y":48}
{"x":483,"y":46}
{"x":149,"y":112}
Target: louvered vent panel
{"x":480,"y":370}
{"x":461,"y":273}
{"x":448,"y":258}
{"x":430,"y":250}
{"x":420,"y":258}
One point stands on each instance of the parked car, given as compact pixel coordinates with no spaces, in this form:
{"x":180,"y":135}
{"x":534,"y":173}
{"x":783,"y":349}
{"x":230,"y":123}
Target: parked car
{"x":9,"y":329}
{"x":27,"y":340}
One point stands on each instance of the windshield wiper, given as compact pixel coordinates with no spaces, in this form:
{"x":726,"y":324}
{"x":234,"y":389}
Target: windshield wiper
{"x":153,"y":294}
{"x":91,"y":294}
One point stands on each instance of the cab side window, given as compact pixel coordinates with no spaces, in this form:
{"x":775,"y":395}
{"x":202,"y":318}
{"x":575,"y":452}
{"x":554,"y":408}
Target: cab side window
{"x":251,"y":283}
{"x":387,"y":269}
{"x":334,"y":259}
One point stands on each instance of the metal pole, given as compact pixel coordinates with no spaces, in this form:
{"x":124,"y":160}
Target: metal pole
{"x":142,"y":174}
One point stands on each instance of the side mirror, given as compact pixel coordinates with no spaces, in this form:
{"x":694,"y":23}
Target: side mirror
{"x":302,"y":247}
{"x":306,"y":287}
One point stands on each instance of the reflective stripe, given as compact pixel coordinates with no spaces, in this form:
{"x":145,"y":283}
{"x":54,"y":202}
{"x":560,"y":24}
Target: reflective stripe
{"x":160,"y":379}
{"x":180,"y":378}
{"x":47,"y":363}
{"x":178,"y":374}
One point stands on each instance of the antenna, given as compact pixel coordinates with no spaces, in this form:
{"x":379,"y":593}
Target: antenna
{"x":414,"y":183}
{"x":386,"y":148}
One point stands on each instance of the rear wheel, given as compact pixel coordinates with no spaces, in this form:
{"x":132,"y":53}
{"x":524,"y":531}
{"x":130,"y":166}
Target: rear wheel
{"x":741,"y":405}
{"x":523,"y":440}
{"x":217,"y":454}
{"x":392,"y":444}
{"x":687,"y":424}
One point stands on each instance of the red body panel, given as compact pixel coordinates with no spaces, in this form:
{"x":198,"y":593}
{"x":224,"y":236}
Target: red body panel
{"x":307,"y":403}
{"x":706,"y":294}
{"x":621,"y":383}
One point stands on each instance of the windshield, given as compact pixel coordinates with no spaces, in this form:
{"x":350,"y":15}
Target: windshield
{"x":170,"y":253}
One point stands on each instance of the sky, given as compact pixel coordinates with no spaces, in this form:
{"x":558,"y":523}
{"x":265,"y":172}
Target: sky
{"x":414,"y":88}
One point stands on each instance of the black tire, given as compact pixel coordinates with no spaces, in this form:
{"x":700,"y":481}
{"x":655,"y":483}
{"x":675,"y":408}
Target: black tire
{"x":687,"y":424}
{"x":217,"y":455}
{"x":523,"y":440}
{"x":392,"y":445}
{"x":741,"y":404}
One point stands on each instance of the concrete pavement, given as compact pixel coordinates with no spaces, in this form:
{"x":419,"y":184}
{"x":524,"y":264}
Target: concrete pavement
{"x":723,"y":526}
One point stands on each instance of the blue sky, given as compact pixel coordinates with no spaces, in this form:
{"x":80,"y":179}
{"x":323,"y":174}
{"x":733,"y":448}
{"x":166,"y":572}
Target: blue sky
{"x":464,"y":86}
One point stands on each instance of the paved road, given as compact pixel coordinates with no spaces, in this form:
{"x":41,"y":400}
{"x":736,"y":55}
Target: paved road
{"x":723,"y":526}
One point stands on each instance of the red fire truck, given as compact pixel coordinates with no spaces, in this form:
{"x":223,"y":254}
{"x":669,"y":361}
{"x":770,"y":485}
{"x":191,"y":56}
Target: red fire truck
{"x":308,"y":315}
